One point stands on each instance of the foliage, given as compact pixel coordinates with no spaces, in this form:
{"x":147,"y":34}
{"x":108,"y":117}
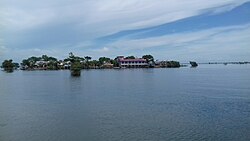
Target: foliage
{"x":130,"y":57}
{"x":52,"y":65}
{"x":47,"y":58}
{"x":94,"y":64}
{"x":87,"y":58}
{"x":72,"y":58}
{"x":16,"y":65}
{"x":148,"y":58}
{"x":76,"y":69}
{"x":76,"y":65}
{"x":173,"y":64}
{"x":103,"y":60}
{"x":8,"y":65}
{"x":25,"y":62}
{"x":30,"y":62}
{"x":114,"y":62}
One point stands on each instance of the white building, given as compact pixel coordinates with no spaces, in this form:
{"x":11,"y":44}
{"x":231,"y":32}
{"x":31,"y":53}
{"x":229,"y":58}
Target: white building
{"x":132,"y":63}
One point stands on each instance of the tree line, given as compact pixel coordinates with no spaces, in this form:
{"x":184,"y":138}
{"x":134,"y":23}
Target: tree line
{"x":76,"y":62}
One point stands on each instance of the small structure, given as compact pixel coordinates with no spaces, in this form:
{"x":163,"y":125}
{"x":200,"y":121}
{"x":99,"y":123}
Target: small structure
{"x":132,"y":63}
{"x":41,"y":65}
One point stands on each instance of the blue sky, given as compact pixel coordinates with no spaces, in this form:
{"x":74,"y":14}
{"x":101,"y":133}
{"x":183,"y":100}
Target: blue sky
{"x":201,"y":30}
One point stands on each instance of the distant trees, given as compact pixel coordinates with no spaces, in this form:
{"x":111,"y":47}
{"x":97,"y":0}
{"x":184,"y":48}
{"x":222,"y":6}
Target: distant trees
{"x":173,"y":64}
{"x":114,"y":62}
{"x":130,"y":57}
{"x":94,"y":64}
{"x":148,"y":58}
{"x":50,"y":63}
{"x":87,"y":63}
{"x":8,"y":65}
{"x":76,"y":63}
{"x":47,"y":58}
{"x":103,"y":60}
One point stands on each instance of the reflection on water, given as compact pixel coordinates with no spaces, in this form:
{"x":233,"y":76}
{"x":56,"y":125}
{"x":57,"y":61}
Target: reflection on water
{"x":205,"y":103}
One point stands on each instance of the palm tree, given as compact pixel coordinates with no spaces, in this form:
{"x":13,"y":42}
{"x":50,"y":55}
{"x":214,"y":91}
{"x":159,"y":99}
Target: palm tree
{"x":87,"y":58}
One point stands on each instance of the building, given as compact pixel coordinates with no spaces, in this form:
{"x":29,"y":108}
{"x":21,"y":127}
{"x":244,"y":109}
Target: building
{"x":132,"y":63}
{"x":107,"y":65}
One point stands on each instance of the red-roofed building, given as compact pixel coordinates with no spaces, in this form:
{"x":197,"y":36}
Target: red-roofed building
{"x":132,"y":63}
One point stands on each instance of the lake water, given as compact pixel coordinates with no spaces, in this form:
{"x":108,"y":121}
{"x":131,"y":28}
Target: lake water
{"x":211,"y":102}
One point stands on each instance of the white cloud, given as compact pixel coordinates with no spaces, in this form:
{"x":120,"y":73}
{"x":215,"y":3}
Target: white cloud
{"x":96,"y":18}
{"x":104,"y":17}
{"x":215,"y":44}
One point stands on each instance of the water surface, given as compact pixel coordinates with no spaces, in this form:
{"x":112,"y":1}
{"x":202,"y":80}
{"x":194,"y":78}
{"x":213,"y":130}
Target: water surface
{"x":211,"y":102}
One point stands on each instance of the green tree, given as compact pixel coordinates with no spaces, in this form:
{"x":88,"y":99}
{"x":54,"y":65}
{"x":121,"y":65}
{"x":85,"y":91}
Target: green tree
{"x":173,"y":64}
{"x":103,"y":60}
{"x":148,"y":58}
{"x":76,"y":65}
{"x":114,"y":62}
{"x":25,"y":62}
{"x":87,"y":58}
{"x":87,"y":63}
{"x":8,"y":66}
{"x":130,"y":57}
{"x":45,"y":58}
{"x":16,"y":65}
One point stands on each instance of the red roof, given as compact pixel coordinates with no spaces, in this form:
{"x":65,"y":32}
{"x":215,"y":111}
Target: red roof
{"x":132,"y":60}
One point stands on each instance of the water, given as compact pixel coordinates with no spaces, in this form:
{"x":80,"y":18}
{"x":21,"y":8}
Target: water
{"x":211,"y":102}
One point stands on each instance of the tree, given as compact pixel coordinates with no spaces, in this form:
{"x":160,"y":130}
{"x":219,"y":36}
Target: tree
{"x":130,"y":57}
{"x":76,"y":69}
{"x":34,"y":59}
{"x":148,"y":58}
{"x":16,"y":65}
{"x":94,"y":63}
{"x":8,"y":65}
{"x":103,"y":60}
{"x":173,"y":64}
{"x":75,"y":64}
{"x":87,"y":58}
{"x":114,"y":62}
{"x":25,"y":62}
{"x":45,"y":58}
{"x":87,"y":64}
{"x":73,"y":58}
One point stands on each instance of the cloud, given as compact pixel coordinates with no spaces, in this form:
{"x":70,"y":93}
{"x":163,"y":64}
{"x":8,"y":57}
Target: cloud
{"x":104,"y":17}
{"x":230,"y":43}
{"x":61,"y":26}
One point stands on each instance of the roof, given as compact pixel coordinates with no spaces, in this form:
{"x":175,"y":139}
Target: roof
{"x":132,"y":60}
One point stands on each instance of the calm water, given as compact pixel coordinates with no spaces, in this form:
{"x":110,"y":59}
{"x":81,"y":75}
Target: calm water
{"x":211,"y":102}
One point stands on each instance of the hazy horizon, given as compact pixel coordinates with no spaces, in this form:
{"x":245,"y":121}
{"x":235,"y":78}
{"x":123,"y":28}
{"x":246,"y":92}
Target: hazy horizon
{"x":169,"y":30}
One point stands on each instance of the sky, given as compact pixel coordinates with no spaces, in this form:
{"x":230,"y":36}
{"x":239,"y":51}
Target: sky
{"x":200,"y":30}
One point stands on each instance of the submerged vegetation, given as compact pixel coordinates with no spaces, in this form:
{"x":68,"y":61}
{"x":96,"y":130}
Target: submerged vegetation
{"x":75,"y":62}
{"x":193,"y":64}
{"x":8,"y":66}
